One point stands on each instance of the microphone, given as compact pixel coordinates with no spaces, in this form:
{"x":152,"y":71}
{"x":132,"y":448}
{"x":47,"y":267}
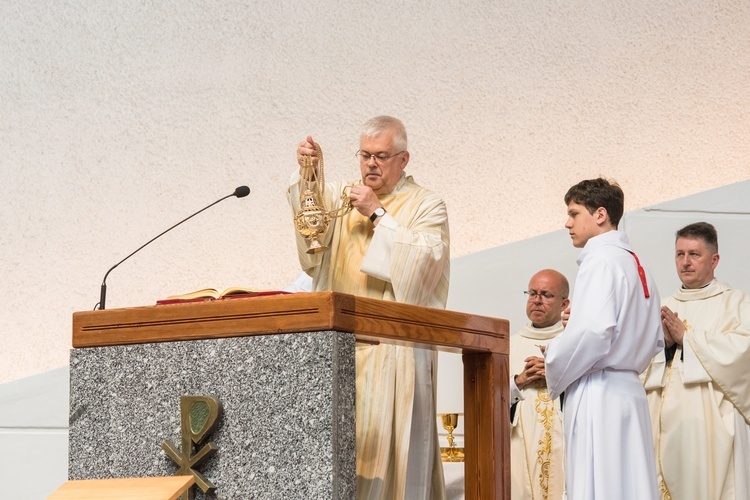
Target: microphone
{"x":240,"y":192}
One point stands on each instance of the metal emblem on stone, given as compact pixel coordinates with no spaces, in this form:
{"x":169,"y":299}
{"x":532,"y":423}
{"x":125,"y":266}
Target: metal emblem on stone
{"x":199,"y":416}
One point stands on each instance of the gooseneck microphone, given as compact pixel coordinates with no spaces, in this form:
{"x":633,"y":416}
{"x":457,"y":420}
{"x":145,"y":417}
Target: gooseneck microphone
{"x":240,"y":192}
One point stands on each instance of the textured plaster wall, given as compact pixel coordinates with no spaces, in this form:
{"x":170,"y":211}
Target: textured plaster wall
{"x":119,"y":118}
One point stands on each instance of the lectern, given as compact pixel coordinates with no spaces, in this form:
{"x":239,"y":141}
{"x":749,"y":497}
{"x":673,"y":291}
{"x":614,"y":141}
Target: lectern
{"x":282,"y":369}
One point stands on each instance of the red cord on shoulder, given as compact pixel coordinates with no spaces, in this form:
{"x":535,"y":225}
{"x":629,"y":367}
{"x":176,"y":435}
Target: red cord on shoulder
{"x":642,"y":274}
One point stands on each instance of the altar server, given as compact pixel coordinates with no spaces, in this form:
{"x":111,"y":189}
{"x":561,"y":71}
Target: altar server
{"x":613,"y":331}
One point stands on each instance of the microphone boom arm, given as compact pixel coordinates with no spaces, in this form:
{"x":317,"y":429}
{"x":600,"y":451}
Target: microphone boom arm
{"x":240,"y":192}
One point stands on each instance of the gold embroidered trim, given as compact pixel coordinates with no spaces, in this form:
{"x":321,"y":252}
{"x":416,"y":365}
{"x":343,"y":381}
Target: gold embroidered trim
{"x":545,"y":410}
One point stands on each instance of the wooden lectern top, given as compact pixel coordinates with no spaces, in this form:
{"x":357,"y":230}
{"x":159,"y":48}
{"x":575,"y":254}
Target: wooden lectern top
{"x":142,"y":488}
{"x":371,"y":320}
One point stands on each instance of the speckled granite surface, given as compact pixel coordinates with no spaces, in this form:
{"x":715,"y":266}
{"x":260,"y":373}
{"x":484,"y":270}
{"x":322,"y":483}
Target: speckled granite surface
{"x":287,"y":430}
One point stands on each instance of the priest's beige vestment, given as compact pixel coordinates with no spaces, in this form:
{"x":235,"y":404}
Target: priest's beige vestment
{"x":404,"y":259}
{"x":700,"y":399}
{"x":536,"y":433}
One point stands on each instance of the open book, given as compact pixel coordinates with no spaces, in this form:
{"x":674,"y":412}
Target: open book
{"x":214,"y":294}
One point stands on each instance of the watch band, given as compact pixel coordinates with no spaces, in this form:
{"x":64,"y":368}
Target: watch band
{"x":379,"y":212}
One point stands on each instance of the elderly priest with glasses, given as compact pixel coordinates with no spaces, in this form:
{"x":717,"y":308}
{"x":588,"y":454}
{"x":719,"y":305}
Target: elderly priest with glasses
{"x":393,"y":244}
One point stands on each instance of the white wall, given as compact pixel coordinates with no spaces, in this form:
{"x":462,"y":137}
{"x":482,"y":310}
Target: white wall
{"x":34,"y":435}
{"x":120,"y":117}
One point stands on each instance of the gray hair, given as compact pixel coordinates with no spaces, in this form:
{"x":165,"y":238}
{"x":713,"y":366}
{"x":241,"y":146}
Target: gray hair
{"x":375,"y":126}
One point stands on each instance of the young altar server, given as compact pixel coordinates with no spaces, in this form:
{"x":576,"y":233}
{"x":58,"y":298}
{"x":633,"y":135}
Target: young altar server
{"x":613,"y":331}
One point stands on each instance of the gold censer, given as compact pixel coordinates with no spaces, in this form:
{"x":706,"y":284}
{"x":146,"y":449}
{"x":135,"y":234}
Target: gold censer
{"x":313,"y":218}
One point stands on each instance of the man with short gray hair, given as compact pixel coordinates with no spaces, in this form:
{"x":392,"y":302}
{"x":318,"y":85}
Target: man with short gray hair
{"x":394,"y":245}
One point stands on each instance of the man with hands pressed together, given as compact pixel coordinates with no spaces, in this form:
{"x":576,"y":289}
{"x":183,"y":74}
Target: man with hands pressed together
{"x":698,"y":387}
{"x":536,"y":436}
{"x":393,"y":245}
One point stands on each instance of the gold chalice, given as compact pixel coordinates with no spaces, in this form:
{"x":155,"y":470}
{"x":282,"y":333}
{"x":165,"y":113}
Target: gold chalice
{"x":452,"y":453}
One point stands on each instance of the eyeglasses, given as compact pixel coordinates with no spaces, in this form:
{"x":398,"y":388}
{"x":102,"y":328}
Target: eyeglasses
{"x":533,"y":294}
{"x":379,"y":158}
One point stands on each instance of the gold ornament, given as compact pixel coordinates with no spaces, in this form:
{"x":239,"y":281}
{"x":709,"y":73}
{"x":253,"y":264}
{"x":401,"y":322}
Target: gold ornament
{"x":312,"y":219}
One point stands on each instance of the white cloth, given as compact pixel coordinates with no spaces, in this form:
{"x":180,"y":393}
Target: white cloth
{"x":536,"y":435}
{"x":405,"y":259}
{"x":612,"y":334}
{"x":302,"y":283}
{"x":700,"y":400}
{"x":455,"y":484}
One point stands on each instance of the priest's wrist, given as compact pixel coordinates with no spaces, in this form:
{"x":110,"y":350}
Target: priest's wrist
{"x":681,"y":340}
{"x":377,"y":214}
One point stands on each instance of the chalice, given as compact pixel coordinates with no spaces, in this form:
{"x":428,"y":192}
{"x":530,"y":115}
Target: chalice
{"x":452,"y":453}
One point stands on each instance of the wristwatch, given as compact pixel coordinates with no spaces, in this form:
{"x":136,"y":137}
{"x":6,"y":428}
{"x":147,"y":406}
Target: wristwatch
{"x":379,"y":212}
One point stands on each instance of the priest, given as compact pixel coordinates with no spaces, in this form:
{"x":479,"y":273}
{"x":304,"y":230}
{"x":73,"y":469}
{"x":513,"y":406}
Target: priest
{"x":536,"y":436}
{"x":393,"y":245}
{"x":698,"y":387}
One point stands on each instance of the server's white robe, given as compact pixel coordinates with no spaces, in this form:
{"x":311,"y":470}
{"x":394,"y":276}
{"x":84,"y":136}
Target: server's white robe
{"x":405,"y":259}
{"x":700,"y":401}
{"x":611,"y":336}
